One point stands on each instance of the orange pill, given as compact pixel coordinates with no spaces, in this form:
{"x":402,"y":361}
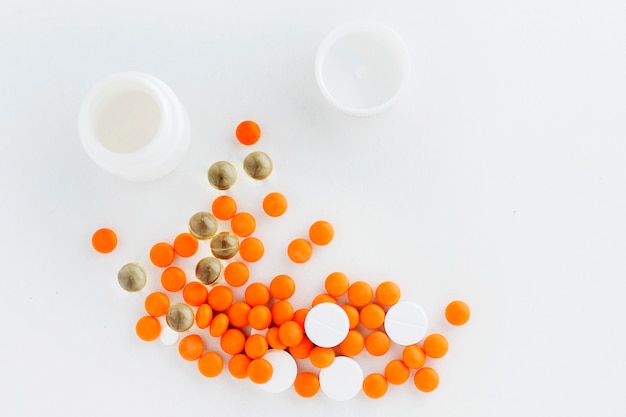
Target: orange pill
{"x":321,"y":357}
{"x":224,"y":207}
{"x":156,"y":304}
{"x":306,"y":384}
{"x":299,"y":251}
{"x":251,"y":249}
{"x":173,"y":279}
{"x":302,"y":350}
{"x":148,"y":328}
{"x":300,"y":315}
{"x":162,"y":254}
{"x":275,"y":204}
{"x":273,"y":340}
{"x":353,"y":315}
{"x":321,"y":233}
{"x":204,"y":315}
{"x":360,"y":294}
{"x":243,"y":224}
{"x":104,"y":240}
{"x":233,"y":341}
{"x":236,"y":274}
{"x":377,"y":343}
{"x":322,"y":298}
{"x":238,"y":365}
{"x":375,"y":385}
{"x":185,"y":245}
{"x":260,"y":317}
{"x":413,"y":356}
{"x":457,"y":313}
{"x":257,"y":294}
{"x":256,"y":346}
{"x":218,"y":325}
{"x":282,"y":311}
{"x":248,"y":132}
{"x":290,"y":333}
{"x":426,"y":379}
{"x":387,"y":293}
{"x":191,"y":347}
{"x":195,"y":293}
{"x":238,"y":314}
{"x":336,"y":284}
{"x":260,"y":371}
{"x":435,"y":346}
{"x":210,"y":364}
{"x":372,"y":316}
{"x":282,"y":287}
{"x":220,"y":298}
{"x":396,"y":372}
{"x":353,"y":344}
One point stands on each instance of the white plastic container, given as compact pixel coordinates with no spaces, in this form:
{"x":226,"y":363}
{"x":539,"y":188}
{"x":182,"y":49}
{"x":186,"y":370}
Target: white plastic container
{"x":361,"y":67}
{"x":132,"y":125}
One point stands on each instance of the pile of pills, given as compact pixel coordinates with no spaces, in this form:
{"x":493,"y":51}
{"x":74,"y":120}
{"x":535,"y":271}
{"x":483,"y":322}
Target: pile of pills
{"x":262,"y":336}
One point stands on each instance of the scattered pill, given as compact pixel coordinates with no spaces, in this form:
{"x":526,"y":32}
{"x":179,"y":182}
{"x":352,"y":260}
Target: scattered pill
{"x":236,"y":274}
{"x":257,"y":294}
{"x":243,"y":224}
{"x":375,"y":385}
{"x":204,"y":315}
{"x":275,"y":204}
{"x":306,"y":384}
{"x":185,"y":245}
{"x":406,"y":323}
{"x":248,"y":132}
{"x":148,"y":328}
{"x":377,"y":343}
{"x":302,"y":350}
{"x":238,"y":365}
{"x":173,"y":279}
{"x":372,"y":316}
{"x":210,"y":364}
{"x":322,"y":298}
{"x":457,"y":313}
{"x":233,"y":341}
{"x":300,"y":316}
{"x":258,"y":165}
{"x":162,"y":254}
{"x":327,"y":325}
{"x":282,"y":311}
{"x":224,"y":207}
{"x":220,"y":298}
{"x":342,"y":380}
{"x":251,"y":249}
{"x":104,"y":240}
{"x":299,"y":251}
{"x":321,"y":357}
{"x":360,"y":294}
{"x":208,"y":270}
{"x":387,"y":293}
{"x":168,"y":336}
{"x":203,"y":225}
{"x":224,"y":245}
{"x":290,"y":333}
{"x":260,"y":317}
{"x":435,"y":346}
{"x":336,"y":284}
{"x":195,"y":293}
{"x":222,"y":175}
{"x":191,"y":347}
{"x":284,"y":371}
{"x":282,"y":287}
{"x":396,"y":372}
{"x":260,"y":371}
{"x":413,"y":356}
{"x":426,"y":379}
{"x":157,"y":304}
{"x":353,"y":315}
{"x":132,"y":277}
{"x":238,"y":313}
{"x":353,"y":343}
{"x":180,"y":317}
{"x":218,"y":325}
{"x":321,"y":233}
{"x":256,"y":346}
{"x":273,"y":340}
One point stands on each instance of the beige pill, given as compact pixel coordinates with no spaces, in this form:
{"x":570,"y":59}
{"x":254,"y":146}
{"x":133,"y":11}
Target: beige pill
{"x":208,"y":270}
{"x":222,"y":175}
{"x":224,"y":245}
{"x":258,"y":165}
{"x":132,"y":277}
{"x":179,"y":317}
{"x":203,"y":225}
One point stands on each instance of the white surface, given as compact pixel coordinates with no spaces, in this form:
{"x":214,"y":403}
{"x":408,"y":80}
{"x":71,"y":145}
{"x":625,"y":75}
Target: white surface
{"x":406,"y":323}
{"x":342,"y":379}
{"x":326,"y":325}
{"x":284,"y":371}
{"x":498,"y":179}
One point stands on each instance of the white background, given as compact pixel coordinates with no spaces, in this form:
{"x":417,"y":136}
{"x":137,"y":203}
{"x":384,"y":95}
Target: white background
{"x":497,"y":178}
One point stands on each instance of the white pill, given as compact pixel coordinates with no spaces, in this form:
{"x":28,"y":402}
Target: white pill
{"x":341,"y":380}
{"x":284,"y":371}
{"x":168,"y":336}
{"x":406,"y":323}
{"x":326,"y":324}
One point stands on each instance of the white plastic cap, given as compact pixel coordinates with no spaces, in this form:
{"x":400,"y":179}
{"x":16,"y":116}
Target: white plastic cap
{"x":361,"y":67}
{"x":132,"y":125}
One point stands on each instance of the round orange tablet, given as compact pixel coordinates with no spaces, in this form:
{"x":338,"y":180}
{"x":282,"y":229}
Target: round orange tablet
{"x":210,"y":364}
{"x":260,"y":317}
{"x":302,"y":350}
{"x":322,"y":298}
{"x":185,"y":245}
{"x":377,"y":343}
{"x":435,"y":345}
{"x":204,"y":315}
{"x":457,"y":313}
{"x":273,"y":340}
{"x":224,"y":207}
{"x":321,"y":233}
{"x":321,"y":357}
{"x":162,"y":254}
{"x":220,"y":298}
{"x":157,"y":304}
{"x":372,"y":316}
{"x":218,"y":325}
{"x":306,"y":384}
{"x":251,"y":249}
{"x":275,"y":204}
{"x":290,"y":333}
{"x":260,"y":371}
{"x":353,"y":344}
{"x":426,"y":379}
{"x":375,"y":385}
{"x":236,"y":274}
{"x":233,"y":341}
{"x":148,"y":328}
{"x":257,"y":294}
{"x":195,"y":293}
{"x":353,"y":315}
{"x":256,"y":346}
{"x":243,"y":224}
{"x":360,"y":294}
{"x":282,"y":287}
{"x":299,"y":251}
{"x":282,"y":311}
{"x":173,"y":279}
{"x":248,"y":132}
{"x":238,"y":314}
{"x":238,"y":365}
{"x":104,"y":240}
{"x":300,"y":315}
{"x":336,"y":284}
{"x":191,"y":347}
{"x":387,"y":293}
{"x":396,"y":372}
{"x":413,"y":356}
